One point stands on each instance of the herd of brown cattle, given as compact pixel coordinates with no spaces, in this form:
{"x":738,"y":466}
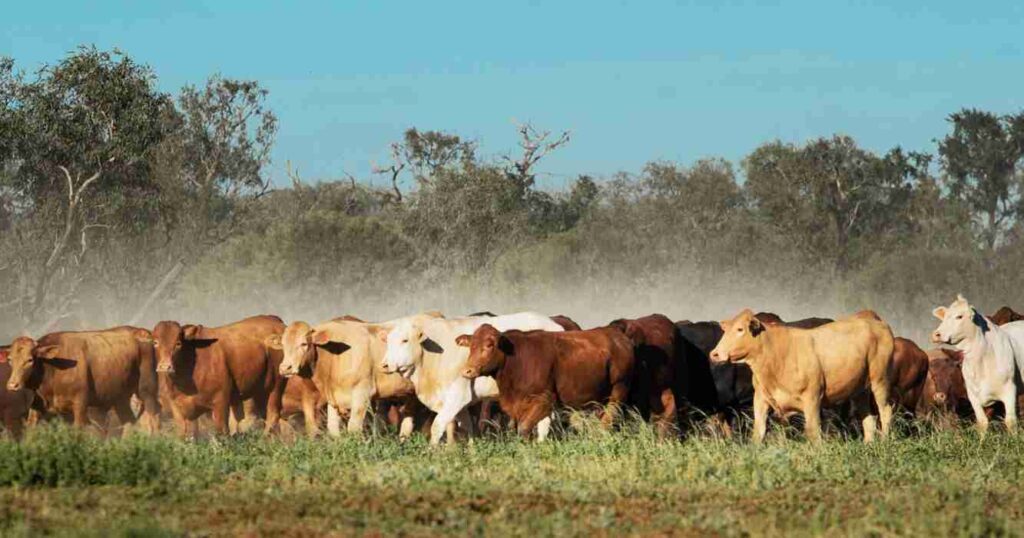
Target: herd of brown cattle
{"x":674,"y":374}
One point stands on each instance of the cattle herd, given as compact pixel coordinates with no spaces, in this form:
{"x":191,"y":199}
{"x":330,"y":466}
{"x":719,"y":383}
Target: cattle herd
{"x":453,"y":376}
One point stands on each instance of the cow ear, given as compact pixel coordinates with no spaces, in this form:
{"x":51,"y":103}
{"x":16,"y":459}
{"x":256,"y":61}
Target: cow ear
{"x":191,"y":332}
{"x":724,"y":324}
{"x":3,"y":353}
{"x":505,"y":345}
{"x":431,"y":346}
{"x":463,"y":340}
{"x":319,"y":338}
{"x":756,"y":326}
{"x":46,"y":352}
{"x":273,"y":342}
{"x":143,"y":336}
{"x":940,"y":312}
{"x":382,"y":335}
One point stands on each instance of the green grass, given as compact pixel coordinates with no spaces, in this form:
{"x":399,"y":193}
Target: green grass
{"x":950,"y":482}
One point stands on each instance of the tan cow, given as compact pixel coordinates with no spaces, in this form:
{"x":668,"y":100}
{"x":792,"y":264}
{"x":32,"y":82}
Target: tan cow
{"x":802,"y":370}
{"x":343,"y":358}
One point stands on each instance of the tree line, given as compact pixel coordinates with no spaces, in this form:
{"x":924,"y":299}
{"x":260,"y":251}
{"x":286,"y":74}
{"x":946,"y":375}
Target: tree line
{"x":120,"y":203}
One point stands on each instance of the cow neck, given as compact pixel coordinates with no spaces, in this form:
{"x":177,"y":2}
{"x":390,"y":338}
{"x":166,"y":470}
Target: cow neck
{"x":770,"y":354}
{"x":977,"y":347}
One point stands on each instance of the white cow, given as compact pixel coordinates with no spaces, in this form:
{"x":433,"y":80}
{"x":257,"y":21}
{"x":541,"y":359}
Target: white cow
{"x":424,"y":351}
{"x":992,"y":357}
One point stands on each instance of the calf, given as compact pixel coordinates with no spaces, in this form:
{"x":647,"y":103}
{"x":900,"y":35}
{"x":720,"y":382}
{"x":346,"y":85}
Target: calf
{"x":75,"y":372}
{"x":14,"y":404}
{"x":800,"y":370}
{"x":658,"y":370}
{"x":536,"y":370}
{"x":944,"y":389}
{"x":992,"y":355}
{"x":302,"y":398}
{"x":213,"y":370}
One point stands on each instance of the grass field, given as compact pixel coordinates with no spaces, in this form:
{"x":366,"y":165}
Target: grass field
{"x":942,"y":483}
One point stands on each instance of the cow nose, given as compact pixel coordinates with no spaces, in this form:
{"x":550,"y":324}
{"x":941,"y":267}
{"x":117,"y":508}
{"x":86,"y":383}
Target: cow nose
{"x":469,"y":373}
{"x":13,"y":386}
{"x":936,"y":337}
{"x":384,"y":367}
{"x":940,"y":397}
{"x":714,"y":355}
{"x":165,"y":369}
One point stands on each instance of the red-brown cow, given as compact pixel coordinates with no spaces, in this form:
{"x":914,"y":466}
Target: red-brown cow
{"x":657,"y":377}
{"x":944,"y":390}
{"x":14,"y":404}
{"x":73,"y":372}
{"x":301,"y":398}
{"x":1005,"y":315}
{"x":910,"y":372}
{"x":537,"y":369}
{"x":212,"y":370}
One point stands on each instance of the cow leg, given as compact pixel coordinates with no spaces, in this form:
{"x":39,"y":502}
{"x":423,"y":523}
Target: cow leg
{"x":456,"y":398}
{"x":881,"y":390}
{"x":274,"y":405}
{"x":812,"y":419}
{"x":531,"y":420}
{"x":619,"y":394}
{"x":1009,"y":400}
{"x":333,"y":421}
{"x":80,"y":413}
{"x":543,"y":429}
{"x":407,"y":413}
{"x":664,"y":419}
{"x":979,"y":415}
{"x":465,"y":420}
{"x":309,"y":414}
{"x":125,"y":416}
{"x":357,"y":413}
{"x":13,"y":423}
{"x":220,"y":411}
{"x":760,"y":417}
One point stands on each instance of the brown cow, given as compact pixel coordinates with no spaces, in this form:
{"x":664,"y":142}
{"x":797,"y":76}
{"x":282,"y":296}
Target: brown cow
{"x":657,"y":378}
{"x":910,"y":372}
{"x":535,"y":370}
{"x":944,"y":390}
{"x":566,"y":322}
{"x":800,"y":370}
{"x":14,"y":404}
{"x":1005,"y":315}
{"x":71,"y":372}
{"x":212,"y":370}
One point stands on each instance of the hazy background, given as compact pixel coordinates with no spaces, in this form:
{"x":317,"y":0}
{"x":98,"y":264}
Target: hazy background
{"x":596,"y":160}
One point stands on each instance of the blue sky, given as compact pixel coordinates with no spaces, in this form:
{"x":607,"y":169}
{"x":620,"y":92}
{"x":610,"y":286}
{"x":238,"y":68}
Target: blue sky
{"x":633,"y":81}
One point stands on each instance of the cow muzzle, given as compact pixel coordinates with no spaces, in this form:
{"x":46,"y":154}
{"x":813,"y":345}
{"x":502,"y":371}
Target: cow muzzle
{"x":288,"y":370}
{"x":939,"y":398}
{"x":470,"y":373}
{"x":13,"y":385}
{"x":165,"y":368}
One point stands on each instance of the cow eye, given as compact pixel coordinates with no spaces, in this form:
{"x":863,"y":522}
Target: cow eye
{"x":961,"y":316}
{"x":406,"y":341}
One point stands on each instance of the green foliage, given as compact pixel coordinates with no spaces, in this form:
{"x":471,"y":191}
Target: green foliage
{"x":589,"y":481}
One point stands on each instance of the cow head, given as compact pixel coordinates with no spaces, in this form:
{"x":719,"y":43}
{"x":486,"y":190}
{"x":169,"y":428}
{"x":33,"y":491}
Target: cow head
{"x":741,"y":336}
{"x":947,"y":378}
{"x":297,"y":343}
{"x":1005,"y":315}
{"x":405,"y":344}
{"x":175,"y":343}
{"x":959,"y":321}
{"x":25,"y":356}
{"x":631,"y":329}
{"x":488,"y":349}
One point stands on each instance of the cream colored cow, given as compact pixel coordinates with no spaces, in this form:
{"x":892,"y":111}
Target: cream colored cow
{"x":343,"y":357}
{"x":425,"y":352}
